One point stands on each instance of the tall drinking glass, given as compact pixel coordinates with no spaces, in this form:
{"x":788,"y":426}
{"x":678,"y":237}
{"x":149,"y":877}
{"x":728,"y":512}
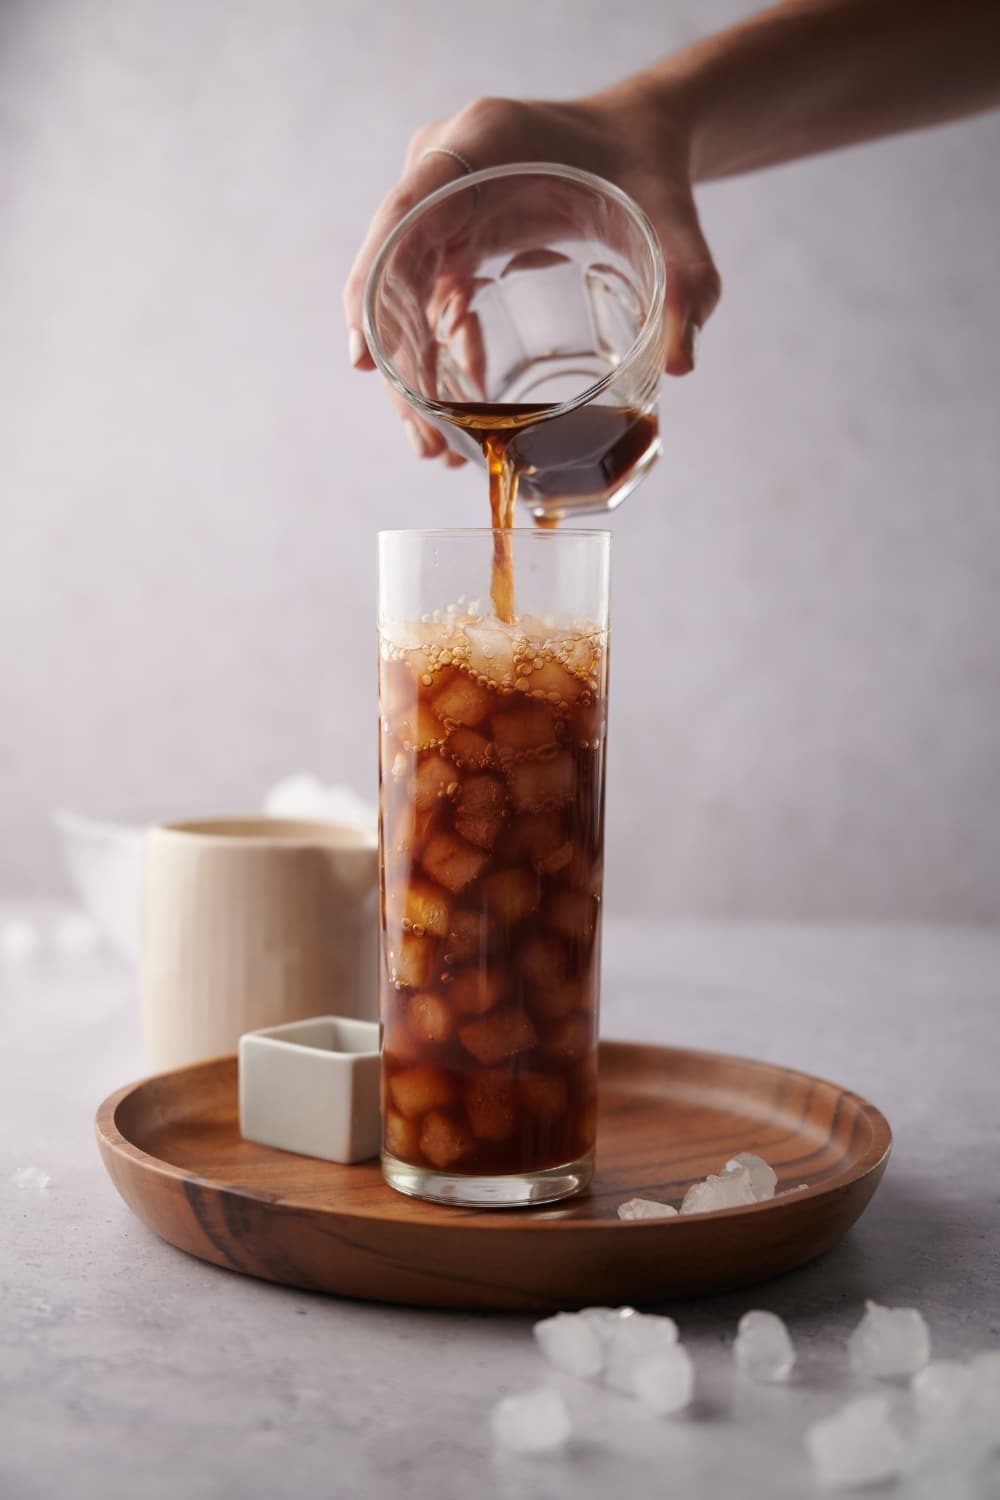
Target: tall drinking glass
{"x":520,"y":311}
{"x":492,"y":740}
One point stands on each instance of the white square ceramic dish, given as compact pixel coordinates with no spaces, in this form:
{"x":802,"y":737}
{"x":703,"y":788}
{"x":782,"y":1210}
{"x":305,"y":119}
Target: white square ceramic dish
{"x":312,"y":1087}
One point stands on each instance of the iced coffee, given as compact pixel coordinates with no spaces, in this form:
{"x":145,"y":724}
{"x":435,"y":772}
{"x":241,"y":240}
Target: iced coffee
{"x":492,"y":739}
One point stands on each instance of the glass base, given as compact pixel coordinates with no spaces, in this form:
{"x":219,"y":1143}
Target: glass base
{"x":512,"y":1190}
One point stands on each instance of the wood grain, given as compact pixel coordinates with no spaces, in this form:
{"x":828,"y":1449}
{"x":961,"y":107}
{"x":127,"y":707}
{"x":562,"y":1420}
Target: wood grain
{"x":668,"y":1117}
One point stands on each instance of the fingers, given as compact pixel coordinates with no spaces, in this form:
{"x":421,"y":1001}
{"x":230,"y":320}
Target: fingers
{"x":423,"y":176}
{"x":693,"y":283}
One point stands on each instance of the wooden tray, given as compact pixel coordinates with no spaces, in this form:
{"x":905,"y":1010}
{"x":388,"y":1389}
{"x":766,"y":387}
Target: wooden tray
{"x":668,"y":1117}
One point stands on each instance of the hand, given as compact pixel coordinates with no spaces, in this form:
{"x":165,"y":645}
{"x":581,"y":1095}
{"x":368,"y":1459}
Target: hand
{"x":614,"y":135}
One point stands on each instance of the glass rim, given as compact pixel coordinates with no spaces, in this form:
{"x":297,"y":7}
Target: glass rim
{"x":539,"y":533}
{"x":652,"y":324}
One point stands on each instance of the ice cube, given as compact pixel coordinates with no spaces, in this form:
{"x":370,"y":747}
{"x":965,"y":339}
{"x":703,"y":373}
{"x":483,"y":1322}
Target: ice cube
{"x":605,"y":1320}
{"x":497,"y":1036}
{"x":545,"y":1096}
{"x":554,"y":1004}
{"x":491,"y":651}
{"x":572,"y":1343}
{"x":572,"y":914}
{"x":31,"y":1177}
{"x":444,"y":1142}
{"x":646,"y":1208}
{"x":633,"y":1339}
{"x":889,"y":1341}
{"x":942,"y":1389}
{"x":513,"y":893}
{"x":424,"y":905}
{"x":664,"y":1381}
{"x":719,"y":1192}
{"x":557,"y":684}
{"x":430,"y":1019}
{"x":542,"y":785}
{"x":467,"y":747}
{"x":401,"y":1136}
{"x":451,"y":861}
{"x":419,"y":729}
{"x":568,"y":1040}
{"x":531,"y":1422}
{"x":858,"y":1445}
{"x":763,"y":1349}
{"x":543,"y":962}
{"x":763,"y":1178}
{"x":434,"y":777}
{"x":462,"y":701}
{"x":525,"y":726}
{"x":410,"y":960}
{"x":415,"y":1091}
{"x":540,"y":838}
{"x":491,"y":1106}
{"x":985,"y":1367}
{"x":471,"y":935}
{"x":480,"y":810}
{"x":472,"y":992}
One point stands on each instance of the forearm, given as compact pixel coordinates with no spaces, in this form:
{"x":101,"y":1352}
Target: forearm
{"x":813,"y":75}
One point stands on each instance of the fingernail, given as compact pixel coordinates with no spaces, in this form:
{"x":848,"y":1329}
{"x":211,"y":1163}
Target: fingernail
{"x":356,"y":346}
{"x":416,"y":440}
{"x":689,"y":341}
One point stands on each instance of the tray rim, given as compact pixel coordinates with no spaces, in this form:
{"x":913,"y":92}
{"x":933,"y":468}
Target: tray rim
{"x":874,"y":1159}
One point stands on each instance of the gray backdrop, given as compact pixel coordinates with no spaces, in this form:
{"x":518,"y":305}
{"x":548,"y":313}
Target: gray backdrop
{"x":806,"y":715}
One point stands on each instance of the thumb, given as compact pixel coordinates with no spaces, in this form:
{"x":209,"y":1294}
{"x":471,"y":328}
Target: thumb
{"x":693,"y":283}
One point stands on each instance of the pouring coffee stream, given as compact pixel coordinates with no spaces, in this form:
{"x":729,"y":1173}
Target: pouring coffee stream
{"x":559,"y":465}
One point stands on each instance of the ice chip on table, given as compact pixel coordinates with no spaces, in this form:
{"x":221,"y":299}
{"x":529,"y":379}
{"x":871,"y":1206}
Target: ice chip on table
{"x":31,"y":1177}
{"x":605,"y":1320}
{"x":889,"y":1341}
{"x":531,"y":1422}
{"x":763,"y":1178}
{"x":633,"y":1339}
{"x":942,"y":1389}
{"x":985,"y":1367}
{"x":646,"y":1208}
{"x":19,"y":940}
{"x":305,"y":796}
{"x":730,"y":1190}
{"x":491,"y":650}
{"x":857,"y":1446}
{"x":763,"y":1349}
{"x":572,"y":1343}
{"x":665,"y":1381}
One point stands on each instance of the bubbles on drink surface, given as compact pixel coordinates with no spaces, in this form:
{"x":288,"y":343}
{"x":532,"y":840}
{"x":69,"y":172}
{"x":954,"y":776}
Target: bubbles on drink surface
{"x":492,"y":741}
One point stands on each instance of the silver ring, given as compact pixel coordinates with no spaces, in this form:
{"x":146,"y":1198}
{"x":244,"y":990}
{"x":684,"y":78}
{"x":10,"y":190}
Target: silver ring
{"x":463,"y":161}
